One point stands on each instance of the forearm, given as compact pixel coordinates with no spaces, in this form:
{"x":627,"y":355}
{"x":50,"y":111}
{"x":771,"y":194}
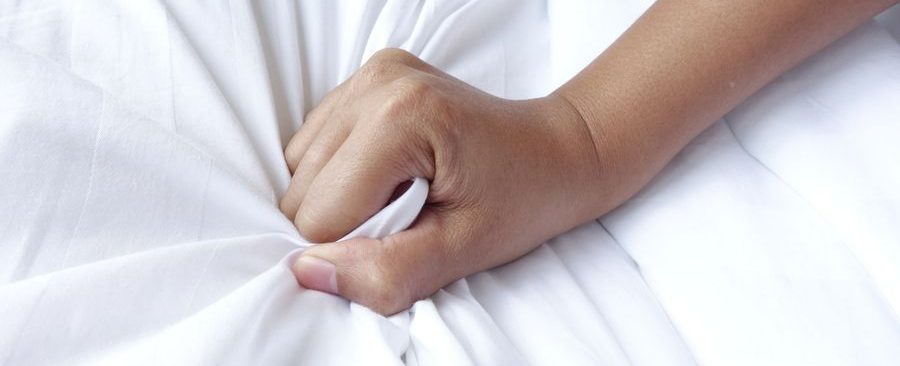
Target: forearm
{"x":682,"y":66}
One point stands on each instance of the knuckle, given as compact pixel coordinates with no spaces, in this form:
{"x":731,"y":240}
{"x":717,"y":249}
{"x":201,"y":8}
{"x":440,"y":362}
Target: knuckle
{"x":311,"y":228}
{"x":373,"y":70}
{"x":408,"y":95}
{"x":316,"y":113}
{"x":393,"y":54}
{"x":293,"y":148}
{"x":292,"y":157}
{"x":316,"y":155}
{"x":383,"y":63}
{"x":294,"y":152}
{"x":287,"y":207}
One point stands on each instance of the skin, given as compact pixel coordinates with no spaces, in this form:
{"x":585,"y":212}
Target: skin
{"x":508,"y":175}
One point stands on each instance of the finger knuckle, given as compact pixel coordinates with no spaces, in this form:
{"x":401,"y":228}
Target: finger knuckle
{"x":287,"y":207}
{"x":313,"y":229}
{"x":393,"y":55}
{"x":292,"y":152}
{"x":373,"y":71}
{"x":382,"y":64}
{"x":292,"y":157}
{"x":316,"y":113}
{"x":316,"y":156}
{"x":410,"y":94}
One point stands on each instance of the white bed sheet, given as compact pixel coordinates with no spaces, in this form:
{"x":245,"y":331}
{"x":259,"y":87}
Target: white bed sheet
{"x":140,"y":166}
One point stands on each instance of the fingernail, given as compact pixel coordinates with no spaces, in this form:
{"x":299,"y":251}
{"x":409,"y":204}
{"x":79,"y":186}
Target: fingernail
{"x":316,"y":273}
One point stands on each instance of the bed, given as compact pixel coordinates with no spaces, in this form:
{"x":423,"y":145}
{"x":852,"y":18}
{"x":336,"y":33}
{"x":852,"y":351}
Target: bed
{"x":141,"y":165}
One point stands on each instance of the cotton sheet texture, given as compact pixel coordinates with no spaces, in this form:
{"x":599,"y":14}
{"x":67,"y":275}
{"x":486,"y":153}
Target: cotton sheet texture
{"x":141,"y":164}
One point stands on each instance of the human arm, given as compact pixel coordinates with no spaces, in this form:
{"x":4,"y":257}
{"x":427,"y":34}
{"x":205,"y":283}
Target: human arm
{"x":508,"y":175}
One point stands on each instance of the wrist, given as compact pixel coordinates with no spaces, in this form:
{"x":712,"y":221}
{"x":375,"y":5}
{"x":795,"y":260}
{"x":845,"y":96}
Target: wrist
{"x":586,"y":166}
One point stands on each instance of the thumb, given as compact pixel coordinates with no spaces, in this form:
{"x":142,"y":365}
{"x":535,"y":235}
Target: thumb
{"x":387,"y":275}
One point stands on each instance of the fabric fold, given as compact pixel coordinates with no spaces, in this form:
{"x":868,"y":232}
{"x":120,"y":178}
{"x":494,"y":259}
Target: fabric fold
{"x":141,"y":166}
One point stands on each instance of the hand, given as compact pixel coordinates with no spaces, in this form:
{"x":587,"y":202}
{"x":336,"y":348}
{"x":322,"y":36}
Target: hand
{"x":505,"y":176}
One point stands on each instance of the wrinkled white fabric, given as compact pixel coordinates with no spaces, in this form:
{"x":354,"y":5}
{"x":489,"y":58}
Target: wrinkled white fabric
{"x":141,"y":162}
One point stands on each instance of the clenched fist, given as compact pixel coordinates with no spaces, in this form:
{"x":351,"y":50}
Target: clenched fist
{"x":505,"y":176}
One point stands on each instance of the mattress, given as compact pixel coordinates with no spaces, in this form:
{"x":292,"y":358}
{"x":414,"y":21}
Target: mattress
{"x":141,"y":163}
